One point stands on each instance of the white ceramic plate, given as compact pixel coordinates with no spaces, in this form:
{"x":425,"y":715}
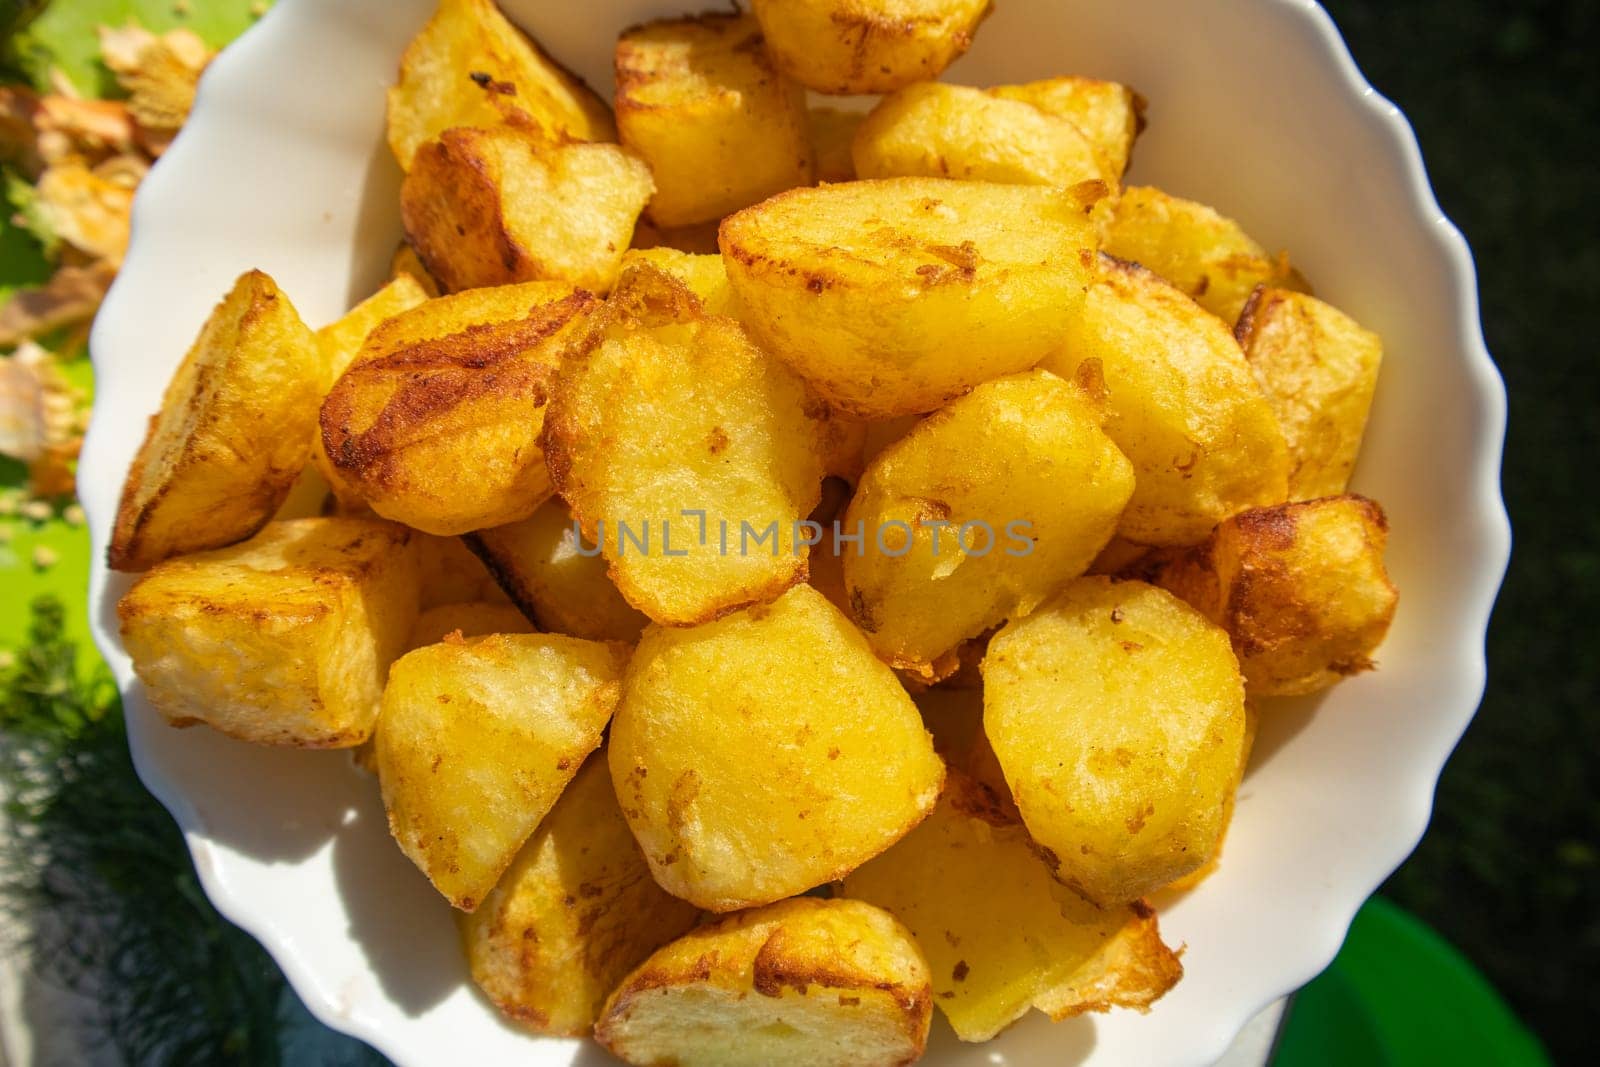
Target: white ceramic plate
{"x":1256,"y":107}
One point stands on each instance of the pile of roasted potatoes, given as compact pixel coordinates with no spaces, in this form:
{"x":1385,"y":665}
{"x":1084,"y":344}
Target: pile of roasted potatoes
{"x":788,"y":568}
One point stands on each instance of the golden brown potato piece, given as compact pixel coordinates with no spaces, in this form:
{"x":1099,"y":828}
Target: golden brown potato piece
{"x":233,"y":433}
{"x":766,"y":753}
{"x":467,"y":620}
{"x":437,"y":422}
{"x":825,"y":983}
{"x":1300,"y":588}
{"x":1110,"y":114}
{"x":935,"y":130}
{"x":698,"y":98}
{"x":283,"y":640}
{"x":406,"y":261}
{"x":842,"y":47}
{"x":469,"y":66}
{"x":686,"y":453}
{"x":833,"y":131}
{"x":556,"y":578}
{"x":1181,"y":404}
{"x":892,"y":297}
{"x":1205,"y":254}
{"x":574,"y":913}
{"x":504,"y":205}
{"x":978,"y":514}
{"x":1252,"y":720}
{"x":452,"y":574}
{"x":339,"y":341}
{"x":476,"y":741}
{"x":1318,"y":368}
{"x":1000,"y":934}
{"x":703,"y":274}
{"x":1117,"y":713}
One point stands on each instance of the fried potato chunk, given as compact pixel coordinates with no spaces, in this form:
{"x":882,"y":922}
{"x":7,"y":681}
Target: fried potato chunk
{"x":282,"y":640}
{"x":1109,"y":113}
{"x":1117,"y":713}
{"x":842,"y":47}
{"x":892,"y":297}
{"x":699,"y":99}
{"x":703,"y":274}
{"x":825,"y":983}
{"x":1319,"y":369}
{"x":573,"y":914}
{"x":833,"y":132}
{"x":1181,"y":404}
{"x":766,"y":753}
{"x":452,"y":574}
{"x":1300,"y":588}
{"x":556,"y":578}
{"x":340,"y":340}
{"x":468,"y":620}
{"x":476,"y":741}
{"x":233,"y":433}
{"x":979,"y":513}
{"x":436,"y":424}
{"x":469,"y":66}
{"x":687,"y":454}
{"x":1000,"y":934}
{"x":952,"y":131}
{"x":1207,"y":255}
{"x":406,"y":261}
{"x":504,"y":205}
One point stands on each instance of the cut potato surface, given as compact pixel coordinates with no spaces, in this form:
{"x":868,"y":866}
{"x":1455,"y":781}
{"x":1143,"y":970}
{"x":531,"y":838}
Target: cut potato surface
{"x":573,"y":914}
{"x":451,"y":574}
{"x":1108,"y":113}
{"x":1117,"y":714}
{"x":999,"y":933}
{"x":804,"y":981}
{"x":233,"y":433}
{"x":436,"y":423}
{"x":893,"y":297}
{"x":702,"y":273}
{"x":766,"y":753}
{"x":951,"y":131}
{"x":979,"y":513}
{"x":1318,"y":369}
{"x":467,"y":620}
{"x":848,"y":46}
{"x":506,"y":205}
{"x":699,"y":99}
{"x":339,"y":341}
{"x":1181,"y":404}
{"x":469,"y":66}
{"x":687,"y":454}
{"x":476,"y":741}
{"x":282,"y":640}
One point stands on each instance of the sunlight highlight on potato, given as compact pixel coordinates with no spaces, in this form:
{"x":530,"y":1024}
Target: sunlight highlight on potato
{"x":847,"y":46}
{"x":1108,"y":113}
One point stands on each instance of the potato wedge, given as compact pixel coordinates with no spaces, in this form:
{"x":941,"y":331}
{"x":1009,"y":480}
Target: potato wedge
{"x":893,"y":297}
{"x":766,"y":753}
{"x":283,"y":640}
{"x":833,"y":131}
{"x":978,"y":514}
{"x":1319,"y":369}
{"x":698,"y":98}
{"x":556,"y":578}
{"x":436,"y":424}
{"x":1181,"y":404}
{"x":825,"y":983}
{"x":842,"y":47}
{"x":1205,"y":254}
{"x":573,"y":914}
{"x":467,"y":620}
{"x":233,"y":433}
{"x":476,"y":741}
{"x":686,"y":453}
{"x":1109,"y":113}
{"x":452,"y":574}
{"x":1117,"y":714}
{"x":1000,"y":934}
{"x":935,"y":130}
{"x":469,"y":66}
{"x":1300,"y":588}
{"x":703,"y":274}
{"x":340,"y":340}
{"x":506,"y":205}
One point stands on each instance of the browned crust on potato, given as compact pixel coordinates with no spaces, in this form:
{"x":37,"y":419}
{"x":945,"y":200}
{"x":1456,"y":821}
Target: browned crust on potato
{"x":471,"y":213}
